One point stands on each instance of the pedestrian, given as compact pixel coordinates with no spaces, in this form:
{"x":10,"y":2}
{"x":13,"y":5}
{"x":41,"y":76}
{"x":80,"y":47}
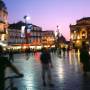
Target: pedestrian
{"x":59,"y":52}
{"x":4,"y":63}
{"x":46,"y":66}
{"x":11,"y":56}
{"x":64,"y":49}
{"x":85,"y":58}
{"x":27,"y":51}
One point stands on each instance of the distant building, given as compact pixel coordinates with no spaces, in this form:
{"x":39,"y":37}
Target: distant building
{"x":3,"y":23}
{"x":61,"y":41}
{"x":80,"y":32}
{"x":16,"y":35}
{"x":36,"y":37}
{"x":48,"y":38}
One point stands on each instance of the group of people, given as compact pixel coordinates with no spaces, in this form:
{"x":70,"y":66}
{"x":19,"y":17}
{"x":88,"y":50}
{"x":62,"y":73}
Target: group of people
{"x":5,"y":62}
{"x":46,"y":63}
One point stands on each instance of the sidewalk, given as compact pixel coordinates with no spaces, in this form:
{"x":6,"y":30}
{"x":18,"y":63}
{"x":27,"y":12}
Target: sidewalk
{"x":66,"y":73}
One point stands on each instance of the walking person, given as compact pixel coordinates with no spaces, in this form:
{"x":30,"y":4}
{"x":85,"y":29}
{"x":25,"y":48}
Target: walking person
{"x":4,"y":63}
{"x":59,"y":52}
{"x":64,"y":49}
{"x":11,"y":56}
{"x":46,"y":66}
{"x":27,"y":51}
{"x":85,"y":58}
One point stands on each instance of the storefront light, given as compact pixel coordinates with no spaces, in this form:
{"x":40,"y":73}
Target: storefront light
{"x":78,"y":37}
{"x":71,"y":36}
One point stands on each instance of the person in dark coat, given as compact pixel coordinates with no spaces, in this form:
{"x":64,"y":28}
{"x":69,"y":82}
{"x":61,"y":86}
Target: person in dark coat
{"x":4,"y":63}
{"x":46,"y":65}
{"x":85,"y":58}
{"x":11,"y":55}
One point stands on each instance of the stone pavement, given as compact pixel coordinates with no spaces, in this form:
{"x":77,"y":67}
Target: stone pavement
{"x":66,"y":73}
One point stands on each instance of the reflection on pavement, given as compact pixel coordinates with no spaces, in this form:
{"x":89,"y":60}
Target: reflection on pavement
{"x":66,"y":73}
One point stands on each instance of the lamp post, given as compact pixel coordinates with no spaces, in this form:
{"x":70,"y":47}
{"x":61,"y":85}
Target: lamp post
{"x":57,"y":37}
{"x":26,"y":35}
{"x":26,"y":27}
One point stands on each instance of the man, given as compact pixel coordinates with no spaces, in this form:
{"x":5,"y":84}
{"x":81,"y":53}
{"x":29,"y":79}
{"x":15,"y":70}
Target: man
{"x":4,"y":63}
{"x":11,"y":55}
{"x":85,"y":58}
{"x":46,"y":65}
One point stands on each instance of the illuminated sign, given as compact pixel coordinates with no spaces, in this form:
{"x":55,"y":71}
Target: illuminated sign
{"x":29,"y":28}
{"x":23,"y":31}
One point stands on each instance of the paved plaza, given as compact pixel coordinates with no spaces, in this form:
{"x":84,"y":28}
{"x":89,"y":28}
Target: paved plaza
{"x":66,"y":73}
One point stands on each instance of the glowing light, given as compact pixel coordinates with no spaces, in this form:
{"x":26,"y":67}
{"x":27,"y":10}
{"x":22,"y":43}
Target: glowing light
{"x":3,"y":44}
{"x":27,"y":18}
{"x":2,"y":37}
{"x":78,"y":56}
{"x":53,"y":46}
{"x":78,"y":37}
{"x":77,"y":41}
{"x":70,"y":58}
{"x":23,"y":31}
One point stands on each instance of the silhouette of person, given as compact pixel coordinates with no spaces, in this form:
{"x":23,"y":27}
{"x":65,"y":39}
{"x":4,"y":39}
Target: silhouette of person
{"x":84,"y":58}
{"x":4,"y":63}
{"x":64,"y":49}
{"x":27,"y":51}
{"x":60,"y":52}
{"x":11,"y":55}
{"x":45,"y":59}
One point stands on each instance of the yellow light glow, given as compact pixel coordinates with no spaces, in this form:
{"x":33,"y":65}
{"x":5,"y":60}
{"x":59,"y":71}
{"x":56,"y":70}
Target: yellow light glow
{"x":78,"y":56}
{"x":53,"y":46}
{"x":39,"y":47}
{"x":78,"y":37}
{"x":2,"y":44}
{"x":3,"y":37}
{"x":70,"y":58}
{"x":24,"y":47}
{"x":77,"y":41}
{"x":71,"y":36}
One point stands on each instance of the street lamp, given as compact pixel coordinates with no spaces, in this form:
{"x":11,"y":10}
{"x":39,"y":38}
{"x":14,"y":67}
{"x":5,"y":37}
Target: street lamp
{"x":57,"y":37}
{"x":26,"y":27}
{"x":26,"y":35}
{"x":27,"y":18}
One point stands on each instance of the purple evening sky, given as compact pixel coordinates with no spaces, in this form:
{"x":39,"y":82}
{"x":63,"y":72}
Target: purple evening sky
{"x":49,"y":13}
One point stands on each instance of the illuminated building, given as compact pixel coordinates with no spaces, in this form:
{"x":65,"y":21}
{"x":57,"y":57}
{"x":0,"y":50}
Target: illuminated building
{"x":36,"y":37}
{"x":62,"y":41}
{"x":16,"y":35}
{"x":80,"y":32}
{"x":3,"y":23}
{"x":48,"y":38}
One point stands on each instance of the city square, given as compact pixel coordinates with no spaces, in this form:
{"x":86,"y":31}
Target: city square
{"x":67,"y":73}
{"x":45,"y":44}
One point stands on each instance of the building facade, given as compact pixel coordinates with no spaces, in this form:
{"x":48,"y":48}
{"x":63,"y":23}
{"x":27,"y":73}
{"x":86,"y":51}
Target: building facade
{"x":48,"y":38}
{"x":80,"y":32}
{"x":36,"y":38}
{"x":3,"y":23}
{"x":17,"y":36}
